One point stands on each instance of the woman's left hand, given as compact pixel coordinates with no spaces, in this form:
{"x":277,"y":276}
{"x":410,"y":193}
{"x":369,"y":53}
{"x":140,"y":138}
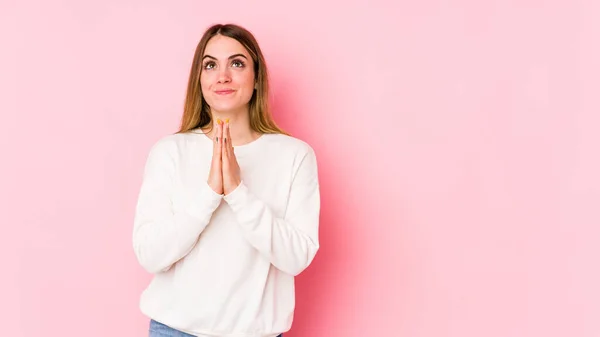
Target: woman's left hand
{"x":231,"y":169}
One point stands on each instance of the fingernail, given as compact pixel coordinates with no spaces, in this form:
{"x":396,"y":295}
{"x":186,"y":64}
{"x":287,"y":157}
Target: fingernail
{"x":219,"y":121}
{"x":227,"y":120}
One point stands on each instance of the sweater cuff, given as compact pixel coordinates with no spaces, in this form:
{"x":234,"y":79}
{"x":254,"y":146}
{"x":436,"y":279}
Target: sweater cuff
{"x":237,"y":198}
{"x":202,"y":200}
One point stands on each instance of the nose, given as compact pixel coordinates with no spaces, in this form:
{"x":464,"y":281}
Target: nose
{"x":224,"y":76}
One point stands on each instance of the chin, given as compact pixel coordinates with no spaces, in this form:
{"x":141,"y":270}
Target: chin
{"x":223,"y":108}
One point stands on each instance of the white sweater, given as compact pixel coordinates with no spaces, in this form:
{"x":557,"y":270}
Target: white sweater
{"x":225,"y":265}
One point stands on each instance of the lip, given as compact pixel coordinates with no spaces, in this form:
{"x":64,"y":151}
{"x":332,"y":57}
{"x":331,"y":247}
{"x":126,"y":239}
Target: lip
{"x":224,"y":91}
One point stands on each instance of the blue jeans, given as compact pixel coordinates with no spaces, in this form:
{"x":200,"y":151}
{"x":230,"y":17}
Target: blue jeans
{"x":160,"y":330}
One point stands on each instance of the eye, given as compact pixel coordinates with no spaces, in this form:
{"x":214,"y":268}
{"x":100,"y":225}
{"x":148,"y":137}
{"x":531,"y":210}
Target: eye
{"x":209,"y":65}
{"x":237,"y":64}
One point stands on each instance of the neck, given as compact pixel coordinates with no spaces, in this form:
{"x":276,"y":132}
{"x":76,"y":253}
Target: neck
{"x":239,"y":124}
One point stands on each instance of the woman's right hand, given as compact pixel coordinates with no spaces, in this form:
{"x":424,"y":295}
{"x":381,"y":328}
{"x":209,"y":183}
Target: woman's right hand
{"x":215,"y":176}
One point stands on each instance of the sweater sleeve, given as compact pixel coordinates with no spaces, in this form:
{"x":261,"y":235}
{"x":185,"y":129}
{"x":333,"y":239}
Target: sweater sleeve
{"x":162,"y":236}
{"x":289,"y":243}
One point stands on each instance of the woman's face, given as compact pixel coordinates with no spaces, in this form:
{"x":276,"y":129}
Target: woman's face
{"x":227,"y":77}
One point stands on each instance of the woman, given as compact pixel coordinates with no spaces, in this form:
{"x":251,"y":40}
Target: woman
{"x":228,"y":211}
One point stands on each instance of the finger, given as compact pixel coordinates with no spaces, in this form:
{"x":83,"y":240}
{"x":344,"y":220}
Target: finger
{"x":216,"y":146}
{"x":215,"y":138}
{"x":220,"y":136}
{"x":215,"y":131}
{"x":230,"y":143}
{"x":224,"y":154}
{"x":227,"y":138}
{"x":223,"y":139}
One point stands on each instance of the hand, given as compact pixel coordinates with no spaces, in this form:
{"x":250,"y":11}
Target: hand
{"x":231,"y":169}
{"x":215,"y":176}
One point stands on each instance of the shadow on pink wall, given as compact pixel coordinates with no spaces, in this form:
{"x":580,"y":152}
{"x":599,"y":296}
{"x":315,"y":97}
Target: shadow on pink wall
{"x":326,"y":283}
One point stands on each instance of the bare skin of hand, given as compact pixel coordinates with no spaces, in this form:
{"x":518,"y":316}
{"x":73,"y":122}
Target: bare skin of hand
{"x":230,"y":167}
{"x":215,"y":176}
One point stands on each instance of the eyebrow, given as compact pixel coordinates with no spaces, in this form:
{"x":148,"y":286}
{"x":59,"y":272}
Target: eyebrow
{"x":230,"y":57}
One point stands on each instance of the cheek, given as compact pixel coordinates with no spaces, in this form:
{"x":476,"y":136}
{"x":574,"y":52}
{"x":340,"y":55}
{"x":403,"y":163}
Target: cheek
{"x":246,"y":80}
{"x":247,"y":85}
{"x":204,"y":83}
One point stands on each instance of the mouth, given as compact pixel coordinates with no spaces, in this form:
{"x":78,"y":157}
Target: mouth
{"x":224,"y":91}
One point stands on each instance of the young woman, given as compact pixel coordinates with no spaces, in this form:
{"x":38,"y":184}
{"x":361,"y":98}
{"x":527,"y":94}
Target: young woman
{"x":228,"y":210}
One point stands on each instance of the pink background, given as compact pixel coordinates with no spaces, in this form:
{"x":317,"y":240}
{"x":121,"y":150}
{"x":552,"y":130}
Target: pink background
{"x":458,"y":147}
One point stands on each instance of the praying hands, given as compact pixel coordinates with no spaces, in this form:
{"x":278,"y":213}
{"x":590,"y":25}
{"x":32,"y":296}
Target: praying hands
{"x":224,"y":175}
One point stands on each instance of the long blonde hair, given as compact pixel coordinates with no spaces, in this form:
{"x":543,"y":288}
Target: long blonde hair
{"x":196,"y":112}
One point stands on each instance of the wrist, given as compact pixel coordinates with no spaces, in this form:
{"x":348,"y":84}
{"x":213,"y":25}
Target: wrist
{"x":232,"y":186}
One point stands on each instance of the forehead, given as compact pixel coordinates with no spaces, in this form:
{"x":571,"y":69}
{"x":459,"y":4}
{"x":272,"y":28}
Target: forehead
{"x":221,"y":46}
